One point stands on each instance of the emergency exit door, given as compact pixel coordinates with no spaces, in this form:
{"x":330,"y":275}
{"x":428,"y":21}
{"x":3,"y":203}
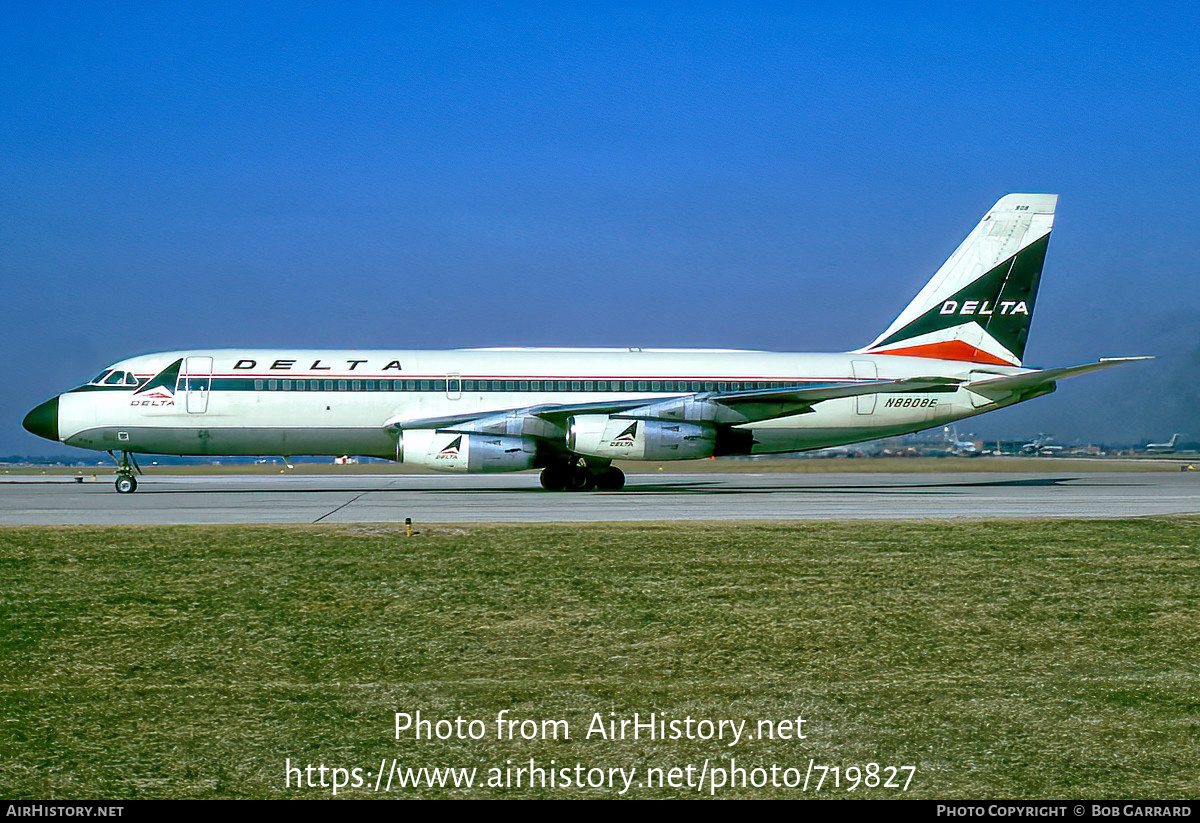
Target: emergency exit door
{"x":865,"y":370}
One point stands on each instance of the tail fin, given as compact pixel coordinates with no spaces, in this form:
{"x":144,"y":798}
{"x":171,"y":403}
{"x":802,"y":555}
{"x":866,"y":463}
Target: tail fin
{"x":978,"y":306}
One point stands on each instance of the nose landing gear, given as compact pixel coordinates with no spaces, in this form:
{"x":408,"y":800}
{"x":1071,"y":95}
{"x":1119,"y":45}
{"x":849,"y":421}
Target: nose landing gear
{"x":127,"y":468}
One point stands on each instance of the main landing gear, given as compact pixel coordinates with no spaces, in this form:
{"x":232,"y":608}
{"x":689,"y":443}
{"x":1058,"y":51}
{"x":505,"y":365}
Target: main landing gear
{"x":127,"y":467}
{"x":576,"y":475}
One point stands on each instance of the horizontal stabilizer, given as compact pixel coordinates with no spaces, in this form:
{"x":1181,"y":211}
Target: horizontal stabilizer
{"x":998,"y":388}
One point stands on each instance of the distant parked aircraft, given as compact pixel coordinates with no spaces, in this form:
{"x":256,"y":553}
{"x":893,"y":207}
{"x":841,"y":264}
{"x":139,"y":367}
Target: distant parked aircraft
{"x":1163,"y":448}
{"x":1042,"y":446}
{"x":959,"y":447}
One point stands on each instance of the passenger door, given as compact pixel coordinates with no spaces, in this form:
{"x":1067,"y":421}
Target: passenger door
{"x":197,"y":378}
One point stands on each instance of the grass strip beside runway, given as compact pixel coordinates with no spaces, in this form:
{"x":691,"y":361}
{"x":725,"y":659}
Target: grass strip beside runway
{"x":1016,"y":659}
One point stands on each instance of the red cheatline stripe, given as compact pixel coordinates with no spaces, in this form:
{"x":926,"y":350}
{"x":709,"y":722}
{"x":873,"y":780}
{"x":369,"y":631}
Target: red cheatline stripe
{"x":410,"y":376}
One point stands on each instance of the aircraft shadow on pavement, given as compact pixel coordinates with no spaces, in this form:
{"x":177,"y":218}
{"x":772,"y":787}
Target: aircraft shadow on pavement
{"x":714,"y":487}
{"x":658,"y":488}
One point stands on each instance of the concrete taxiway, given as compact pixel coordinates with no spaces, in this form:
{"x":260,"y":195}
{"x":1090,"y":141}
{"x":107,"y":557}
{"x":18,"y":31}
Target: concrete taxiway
{"x":166,"y":500}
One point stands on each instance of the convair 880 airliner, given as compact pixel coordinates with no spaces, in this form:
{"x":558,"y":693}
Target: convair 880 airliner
{"x":954,"y":352}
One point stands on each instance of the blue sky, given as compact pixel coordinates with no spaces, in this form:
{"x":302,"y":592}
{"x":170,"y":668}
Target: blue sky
{"x":781,"y":177}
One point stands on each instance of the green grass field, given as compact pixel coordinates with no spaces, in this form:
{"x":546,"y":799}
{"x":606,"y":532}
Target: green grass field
{"x":998,"y":659}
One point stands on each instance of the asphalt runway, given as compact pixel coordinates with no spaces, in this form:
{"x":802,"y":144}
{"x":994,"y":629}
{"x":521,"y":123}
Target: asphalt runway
{"x":164,"y":500}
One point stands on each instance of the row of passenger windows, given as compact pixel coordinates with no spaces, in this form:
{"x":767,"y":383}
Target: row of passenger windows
{"x":677,"y":386}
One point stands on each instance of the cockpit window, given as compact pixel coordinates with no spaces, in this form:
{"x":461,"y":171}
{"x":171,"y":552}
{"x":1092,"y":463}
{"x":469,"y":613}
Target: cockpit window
{"x":115,"y":379}
{"x":131,"y":379}
{"x":98,"y":379}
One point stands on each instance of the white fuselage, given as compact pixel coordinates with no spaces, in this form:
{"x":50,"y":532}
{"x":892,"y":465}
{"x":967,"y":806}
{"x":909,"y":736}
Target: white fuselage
{"x":295,"y":402}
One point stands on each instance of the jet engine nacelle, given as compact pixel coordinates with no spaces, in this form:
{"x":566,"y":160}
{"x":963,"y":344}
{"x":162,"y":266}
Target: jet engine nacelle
{"x":598,"y":435}
{"x":453,"y":452}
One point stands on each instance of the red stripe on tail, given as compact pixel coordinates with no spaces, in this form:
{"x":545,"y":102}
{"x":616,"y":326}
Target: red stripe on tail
{"x":949,"y":350}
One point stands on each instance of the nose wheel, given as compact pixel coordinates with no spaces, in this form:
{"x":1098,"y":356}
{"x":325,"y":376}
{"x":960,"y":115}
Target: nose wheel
{"x":127,"y":468}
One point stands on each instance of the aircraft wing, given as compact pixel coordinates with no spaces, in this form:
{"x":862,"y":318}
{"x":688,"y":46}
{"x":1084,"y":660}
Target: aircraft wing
{"x":1041,"y":381}
{"x":717,"y":407}
{"x":471,"y":421}
{"x":816,"y":394}
{"x":735,"y":408}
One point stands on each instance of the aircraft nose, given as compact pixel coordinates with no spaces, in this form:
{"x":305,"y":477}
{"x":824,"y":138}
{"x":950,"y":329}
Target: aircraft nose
{"x":43,"y":420}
